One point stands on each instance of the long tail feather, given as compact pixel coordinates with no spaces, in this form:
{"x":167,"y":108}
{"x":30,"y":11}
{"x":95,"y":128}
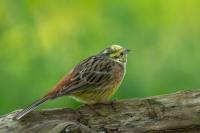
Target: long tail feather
{"x":30,"y":107}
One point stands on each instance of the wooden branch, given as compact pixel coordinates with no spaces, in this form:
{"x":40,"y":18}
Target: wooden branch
{"x":174,"y":113}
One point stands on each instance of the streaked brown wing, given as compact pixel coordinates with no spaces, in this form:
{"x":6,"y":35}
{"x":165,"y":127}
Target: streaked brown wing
{"x":90,"y":74}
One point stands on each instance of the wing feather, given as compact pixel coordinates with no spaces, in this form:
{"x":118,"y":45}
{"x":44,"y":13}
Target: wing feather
{"x":89,"y":75}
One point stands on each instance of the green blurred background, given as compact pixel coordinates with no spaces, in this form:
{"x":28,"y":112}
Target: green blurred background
{"x":41,"y":40}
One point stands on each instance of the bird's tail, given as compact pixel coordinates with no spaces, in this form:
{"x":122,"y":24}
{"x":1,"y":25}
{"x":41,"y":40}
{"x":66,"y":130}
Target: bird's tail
{"x":31,"y":107}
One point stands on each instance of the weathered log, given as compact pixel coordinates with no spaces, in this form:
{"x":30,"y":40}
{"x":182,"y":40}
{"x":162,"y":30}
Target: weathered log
{"x":173,"y":113}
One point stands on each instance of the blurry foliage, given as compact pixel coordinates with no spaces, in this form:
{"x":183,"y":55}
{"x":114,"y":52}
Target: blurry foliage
{"x":41,"y":40}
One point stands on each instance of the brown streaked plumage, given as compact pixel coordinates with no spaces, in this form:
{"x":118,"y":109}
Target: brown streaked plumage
{"x":94,"y":80}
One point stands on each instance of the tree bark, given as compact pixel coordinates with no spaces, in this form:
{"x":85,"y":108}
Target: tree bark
{"x":173,"y":113}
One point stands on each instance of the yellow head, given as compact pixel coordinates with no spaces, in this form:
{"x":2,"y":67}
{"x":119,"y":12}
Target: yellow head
{"x":116,"y":53}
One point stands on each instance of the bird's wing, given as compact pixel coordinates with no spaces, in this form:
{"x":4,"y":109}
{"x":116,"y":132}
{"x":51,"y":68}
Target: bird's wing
{"x":89,"y":75}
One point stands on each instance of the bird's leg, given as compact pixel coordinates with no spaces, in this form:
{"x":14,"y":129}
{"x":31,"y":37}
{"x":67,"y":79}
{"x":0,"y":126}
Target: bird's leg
{"x":108,"y":103}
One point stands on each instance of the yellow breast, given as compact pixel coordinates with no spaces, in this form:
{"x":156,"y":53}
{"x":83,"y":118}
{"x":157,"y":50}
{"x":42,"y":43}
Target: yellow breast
{"x":95,"y":96}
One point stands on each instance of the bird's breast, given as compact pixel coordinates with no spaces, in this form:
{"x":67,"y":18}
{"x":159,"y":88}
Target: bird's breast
{"x":119,"y":72}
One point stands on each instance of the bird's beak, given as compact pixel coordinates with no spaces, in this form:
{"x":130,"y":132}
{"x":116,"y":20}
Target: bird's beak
{"x":128,"y":50}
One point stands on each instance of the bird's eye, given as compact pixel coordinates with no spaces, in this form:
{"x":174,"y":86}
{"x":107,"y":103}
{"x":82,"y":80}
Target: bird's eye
{"x":122,"y":53}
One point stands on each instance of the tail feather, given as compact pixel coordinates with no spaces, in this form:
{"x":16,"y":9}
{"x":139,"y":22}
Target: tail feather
{"x":30,"y":107}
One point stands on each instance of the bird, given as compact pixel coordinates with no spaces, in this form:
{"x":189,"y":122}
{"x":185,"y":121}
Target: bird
{"x":94,"y":80}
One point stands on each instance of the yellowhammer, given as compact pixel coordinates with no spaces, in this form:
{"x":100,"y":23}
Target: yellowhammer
{"x":94,"y":80}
